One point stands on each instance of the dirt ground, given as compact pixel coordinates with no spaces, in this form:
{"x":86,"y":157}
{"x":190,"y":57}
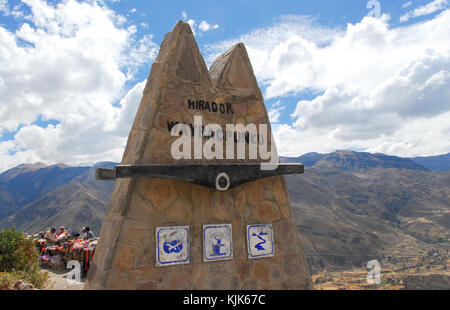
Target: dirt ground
{"x":58,"y":280}
{"x":356,"y":279}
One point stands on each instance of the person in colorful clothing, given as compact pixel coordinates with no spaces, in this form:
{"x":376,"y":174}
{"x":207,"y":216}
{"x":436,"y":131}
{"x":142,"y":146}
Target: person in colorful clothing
{"x":50,"y":235}
{"x":63,"y":231}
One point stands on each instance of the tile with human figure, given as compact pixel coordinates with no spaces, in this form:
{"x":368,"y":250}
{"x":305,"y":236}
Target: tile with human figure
{"x":217,"y":242}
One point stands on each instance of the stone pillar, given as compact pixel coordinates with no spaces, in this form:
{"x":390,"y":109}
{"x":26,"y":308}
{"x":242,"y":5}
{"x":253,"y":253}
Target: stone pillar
{"x":126,"y":254}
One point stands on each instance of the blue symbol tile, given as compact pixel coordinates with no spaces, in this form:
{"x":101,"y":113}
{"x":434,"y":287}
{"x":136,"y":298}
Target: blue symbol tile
{"x":172,"y":245}
{"x":217,"y":242}
{"x":260,"y":240}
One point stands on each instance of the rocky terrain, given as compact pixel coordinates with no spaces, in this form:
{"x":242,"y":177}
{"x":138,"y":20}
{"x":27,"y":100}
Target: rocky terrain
{"x":399,"y":211}
{"x":39,"y":196}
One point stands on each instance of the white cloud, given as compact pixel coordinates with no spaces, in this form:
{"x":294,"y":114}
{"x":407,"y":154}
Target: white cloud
{"x":275,"y":112}
{"x":407,"y":4}
{"x":274,"y":115}
{"x":421,"y":89}
{"x":418,"y":137}
{"x":121,"y":122}
{"x":375,"y":83}
{"x":426,"y":9}
{"x":4,"y":8}
{"x":69,"y":63}
{"x":196,"y":27}
{"x":204,"y":26}
{"x":261,"y":42}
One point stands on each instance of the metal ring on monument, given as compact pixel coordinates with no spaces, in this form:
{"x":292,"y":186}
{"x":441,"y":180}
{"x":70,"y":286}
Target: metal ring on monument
{"x":222,"y":182}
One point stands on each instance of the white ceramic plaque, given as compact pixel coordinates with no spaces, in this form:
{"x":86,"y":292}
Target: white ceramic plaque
{"x":260,"y":240}
{"x":217,"y":242}
{"x":172,"y":245}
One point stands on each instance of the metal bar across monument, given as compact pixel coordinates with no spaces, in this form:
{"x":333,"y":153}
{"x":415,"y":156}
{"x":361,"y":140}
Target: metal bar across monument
{"x":216,"y":176}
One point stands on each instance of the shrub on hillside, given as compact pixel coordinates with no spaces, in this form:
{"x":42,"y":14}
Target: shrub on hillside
{"x":19,"y":260}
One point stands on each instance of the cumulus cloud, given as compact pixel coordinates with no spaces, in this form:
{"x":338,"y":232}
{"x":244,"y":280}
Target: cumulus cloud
{"x":198,"y":28}
{"x":275,"y":112}
{"x":426,"y":9}
{"x":70,"y":63}
{"x":204,"y":26}
{"x":421,"y":89}
{"x":374,"y":83}
{"x":286,"y":32}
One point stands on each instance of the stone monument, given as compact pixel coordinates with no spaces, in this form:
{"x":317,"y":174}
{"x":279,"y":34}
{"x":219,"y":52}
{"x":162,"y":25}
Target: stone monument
{"x":163,"y":233}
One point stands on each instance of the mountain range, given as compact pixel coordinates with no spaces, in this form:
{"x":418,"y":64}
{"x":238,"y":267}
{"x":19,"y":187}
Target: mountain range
{"x":346,"y":202}
{"x":361,"y":161}
{"x":34,"y":197}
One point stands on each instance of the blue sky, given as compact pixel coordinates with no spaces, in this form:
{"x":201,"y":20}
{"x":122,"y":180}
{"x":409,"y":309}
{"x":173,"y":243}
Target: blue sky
{"x":72,"y":72}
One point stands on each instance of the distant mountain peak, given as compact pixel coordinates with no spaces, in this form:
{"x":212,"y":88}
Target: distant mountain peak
{"x":104,"y":164}
{"x":354,"y":161}
{"x":33,"y":196}
{"x":434,"y":163}
{"x":346,"y":152}
{"x":22,"y":168}
{"x":31,"y":165}
{"x":59,"y":165}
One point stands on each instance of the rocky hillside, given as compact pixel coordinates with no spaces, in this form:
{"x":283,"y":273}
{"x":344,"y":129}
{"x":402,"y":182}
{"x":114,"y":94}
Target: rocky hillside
{"x":37,"y":197}
{"x":26,"y":183}
{"x":434,"y":163}
{"x":354,"y":161}
{"x":395,"y":211}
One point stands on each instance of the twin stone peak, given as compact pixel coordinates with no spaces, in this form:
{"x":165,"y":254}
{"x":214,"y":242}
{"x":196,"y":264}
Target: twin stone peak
{"x":180,"y":59}
{"x":226,"y":94}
